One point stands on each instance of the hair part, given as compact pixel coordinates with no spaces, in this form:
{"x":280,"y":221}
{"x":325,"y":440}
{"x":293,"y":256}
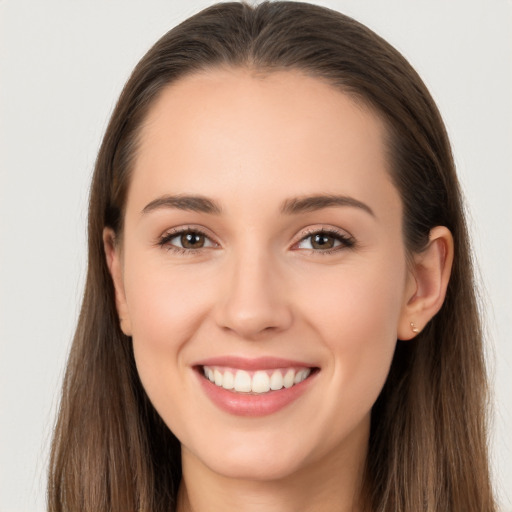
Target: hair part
{"x":427,"y":451}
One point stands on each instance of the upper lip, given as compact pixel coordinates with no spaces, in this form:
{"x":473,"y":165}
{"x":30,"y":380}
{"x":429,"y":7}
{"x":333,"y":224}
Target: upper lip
{"x":258,"y":363}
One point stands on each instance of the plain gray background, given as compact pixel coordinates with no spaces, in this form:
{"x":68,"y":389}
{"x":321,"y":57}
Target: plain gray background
{"x":62,"y":66}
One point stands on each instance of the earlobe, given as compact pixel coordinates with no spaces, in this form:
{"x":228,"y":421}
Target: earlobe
{"x":114,"y":264}
{"x":427,"y":283}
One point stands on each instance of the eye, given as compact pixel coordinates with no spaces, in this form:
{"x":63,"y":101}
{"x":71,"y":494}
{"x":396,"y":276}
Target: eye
{"x":326,"y":241}
{"x":186,"y":240}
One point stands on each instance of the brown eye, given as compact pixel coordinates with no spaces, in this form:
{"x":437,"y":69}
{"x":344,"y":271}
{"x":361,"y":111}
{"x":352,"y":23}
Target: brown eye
{"x":322,"y":241}
{"x":186,"y":240}
{"x":326,"y":241}
{"x":192,"y":240}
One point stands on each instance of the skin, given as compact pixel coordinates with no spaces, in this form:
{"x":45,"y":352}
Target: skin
{"x":259,"y":288}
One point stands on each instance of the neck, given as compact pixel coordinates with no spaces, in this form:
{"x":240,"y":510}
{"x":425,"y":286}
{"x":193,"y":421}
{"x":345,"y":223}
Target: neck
{"x":330,"y":484}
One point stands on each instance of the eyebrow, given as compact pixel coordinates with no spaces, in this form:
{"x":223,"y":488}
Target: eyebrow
{"x":318,"y":202}
{"x":295,"y":205}
{"x":181,"y":202}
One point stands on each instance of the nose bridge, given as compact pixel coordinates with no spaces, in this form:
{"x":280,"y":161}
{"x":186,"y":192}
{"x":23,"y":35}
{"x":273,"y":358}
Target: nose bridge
{"x":254,"y":298}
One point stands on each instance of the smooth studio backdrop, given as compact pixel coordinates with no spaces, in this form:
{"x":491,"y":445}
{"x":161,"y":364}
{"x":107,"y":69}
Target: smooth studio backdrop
{"x":62,"y":66}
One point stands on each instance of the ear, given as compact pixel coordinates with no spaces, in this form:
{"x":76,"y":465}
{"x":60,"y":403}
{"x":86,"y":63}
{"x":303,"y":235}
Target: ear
{"x":427,"y":282}
{"x":114,"y":264}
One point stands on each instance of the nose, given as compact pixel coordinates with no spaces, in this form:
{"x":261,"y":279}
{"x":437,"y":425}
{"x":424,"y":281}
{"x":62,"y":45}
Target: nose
{"x":254,"y":300}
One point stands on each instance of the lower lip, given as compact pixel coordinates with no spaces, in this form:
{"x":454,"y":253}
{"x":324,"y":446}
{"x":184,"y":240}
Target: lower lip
{"x":246,"y":404}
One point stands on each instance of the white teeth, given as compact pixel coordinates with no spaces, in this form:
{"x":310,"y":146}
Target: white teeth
{"x":289,"y":379}
{"x":276,"y":381}
{"x":228,"y":381}
{"x":261,"y":381}
{"x":300,"y":376}
{"x":242,"y":381}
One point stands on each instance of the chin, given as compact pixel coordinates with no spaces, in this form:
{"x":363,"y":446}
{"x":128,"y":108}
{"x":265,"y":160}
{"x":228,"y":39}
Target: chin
{"x":257,"y":469}
{"x":255,"y":459}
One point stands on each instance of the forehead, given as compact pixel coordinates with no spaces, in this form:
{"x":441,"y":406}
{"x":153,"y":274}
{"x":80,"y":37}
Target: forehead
{"x":220,"y":97}
{"x":278,"y":133}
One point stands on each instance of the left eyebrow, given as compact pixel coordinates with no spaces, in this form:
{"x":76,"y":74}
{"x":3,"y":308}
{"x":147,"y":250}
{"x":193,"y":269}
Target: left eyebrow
{"x":317,"y":202}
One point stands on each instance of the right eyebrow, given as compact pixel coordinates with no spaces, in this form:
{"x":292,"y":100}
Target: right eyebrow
{"x":195,"y":203}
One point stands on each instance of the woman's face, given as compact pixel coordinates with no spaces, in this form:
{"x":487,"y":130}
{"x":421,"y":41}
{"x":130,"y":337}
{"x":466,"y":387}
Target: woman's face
{"x":262,"y":246}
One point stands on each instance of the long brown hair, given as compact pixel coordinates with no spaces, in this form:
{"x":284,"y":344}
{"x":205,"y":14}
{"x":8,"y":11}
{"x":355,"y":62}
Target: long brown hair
{"x":427,"y":450}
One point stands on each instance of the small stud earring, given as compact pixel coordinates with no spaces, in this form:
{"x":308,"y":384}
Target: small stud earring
{"x":414,"y":329}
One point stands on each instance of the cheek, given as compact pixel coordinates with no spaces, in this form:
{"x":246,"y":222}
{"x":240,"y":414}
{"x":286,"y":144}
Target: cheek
{"x":357,"y":322}
{"x":166,"y":309}
{"x":356,"y":306}
{"x":165,"y":306}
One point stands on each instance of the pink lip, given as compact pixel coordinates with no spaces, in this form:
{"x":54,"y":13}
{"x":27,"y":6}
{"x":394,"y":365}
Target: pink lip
{"x":259,"y":363}
{"x":247,"y":404}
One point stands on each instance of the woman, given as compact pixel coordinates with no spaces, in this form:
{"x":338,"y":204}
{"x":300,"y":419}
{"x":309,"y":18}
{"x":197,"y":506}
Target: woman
{"x":279,"y":311}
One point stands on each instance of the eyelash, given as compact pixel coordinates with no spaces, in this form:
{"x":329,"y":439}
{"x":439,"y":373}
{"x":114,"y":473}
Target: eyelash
{"x":346,"y":242}
{"x":165,"y":240}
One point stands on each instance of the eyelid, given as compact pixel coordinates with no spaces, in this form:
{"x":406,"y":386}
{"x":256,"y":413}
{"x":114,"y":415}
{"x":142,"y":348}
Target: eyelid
{"x":164,"y":239}
{"x":346,"y":239}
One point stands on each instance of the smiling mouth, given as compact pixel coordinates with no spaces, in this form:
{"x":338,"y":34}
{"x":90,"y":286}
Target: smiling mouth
{"x":255,"y":382}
